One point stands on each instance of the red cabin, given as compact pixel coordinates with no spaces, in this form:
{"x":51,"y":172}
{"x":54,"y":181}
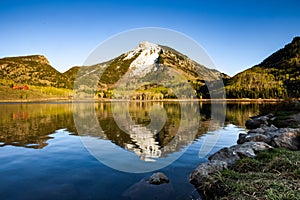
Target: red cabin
{"x":23,"y":87}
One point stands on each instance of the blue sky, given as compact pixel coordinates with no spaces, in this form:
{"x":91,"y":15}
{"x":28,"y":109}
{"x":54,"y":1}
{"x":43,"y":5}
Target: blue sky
{"x":235,"y":34}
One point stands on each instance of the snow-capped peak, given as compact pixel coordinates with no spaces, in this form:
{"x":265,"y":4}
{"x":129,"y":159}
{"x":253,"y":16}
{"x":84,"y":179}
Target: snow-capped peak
{"x":144,"y":63}
{"x":147,"y":45}
{"x":141,"y":47}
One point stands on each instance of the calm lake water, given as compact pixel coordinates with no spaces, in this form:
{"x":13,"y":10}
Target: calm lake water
{"x":43,"y":156}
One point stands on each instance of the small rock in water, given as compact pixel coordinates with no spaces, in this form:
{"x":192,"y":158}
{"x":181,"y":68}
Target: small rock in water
{"x":158,"y":178}
{"x":144,"y":190}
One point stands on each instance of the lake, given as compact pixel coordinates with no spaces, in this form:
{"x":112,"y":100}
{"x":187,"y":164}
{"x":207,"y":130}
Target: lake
{"x":91,"y":151}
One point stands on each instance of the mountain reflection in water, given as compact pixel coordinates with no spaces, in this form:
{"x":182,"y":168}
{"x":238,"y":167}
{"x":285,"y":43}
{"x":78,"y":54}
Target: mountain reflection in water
{"x":144,"y":138}
{"x":29,"y":125}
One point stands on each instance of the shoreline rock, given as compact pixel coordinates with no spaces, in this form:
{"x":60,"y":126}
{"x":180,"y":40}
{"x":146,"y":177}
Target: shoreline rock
{"x":256,"y":122}
{"x":204,"y":171}
{"x":288,"y":138}
{"x":232,"y":154}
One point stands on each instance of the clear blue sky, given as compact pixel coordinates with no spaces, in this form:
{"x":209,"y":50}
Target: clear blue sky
{"x":236,"y":34}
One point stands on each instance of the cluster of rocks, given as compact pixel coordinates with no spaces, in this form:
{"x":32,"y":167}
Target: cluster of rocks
{"x":260,"y":131}
{"x":262,"y":135}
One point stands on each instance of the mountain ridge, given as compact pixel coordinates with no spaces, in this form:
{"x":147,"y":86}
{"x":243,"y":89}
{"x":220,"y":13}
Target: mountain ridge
{"x":277,"y":76}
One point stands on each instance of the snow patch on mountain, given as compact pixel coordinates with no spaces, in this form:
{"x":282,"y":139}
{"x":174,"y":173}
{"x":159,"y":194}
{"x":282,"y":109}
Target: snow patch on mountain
{"x":146,"y":60}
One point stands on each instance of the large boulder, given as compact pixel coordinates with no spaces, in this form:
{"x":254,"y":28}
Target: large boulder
{"x":253,"y":137}
{"x":204,"y":171}
{"x":263,"y":129}
{"x":252,"y":124}
{"x":203,"y":177}
{"x":250,"y":149}
{"x":227,"y":155}
{"x":256,"y":122}
{"x":287,"y":138}
{"x":232,"y":154}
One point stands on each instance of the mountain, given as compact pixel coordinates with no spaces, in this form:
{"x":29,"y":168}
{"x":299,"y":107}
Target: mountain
{"x":278,"y":76}
{"x":31,"y":70}
{"x":150,"y":71}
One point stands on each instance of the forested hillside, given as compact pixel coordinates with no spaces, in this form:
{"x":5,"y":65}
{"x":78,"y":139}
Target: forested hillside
{"x":278,"y":76}
{"x":31,"y":70}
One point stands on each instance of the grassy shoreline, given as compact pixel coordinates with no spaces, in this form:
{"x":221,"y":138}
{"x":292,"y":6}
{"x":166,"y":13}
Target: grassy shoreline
{"x":70,"y":99}
{"x":273,"y":174}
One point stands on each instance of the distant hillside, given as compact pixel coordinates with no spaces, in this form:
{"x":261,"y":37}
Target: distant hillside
{"x":31,"y":70}
{"x":278,"y":76}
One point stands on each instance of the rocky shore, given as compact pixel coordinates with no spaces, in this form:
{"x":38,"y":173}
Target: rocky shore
{"x":262,"y":136}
